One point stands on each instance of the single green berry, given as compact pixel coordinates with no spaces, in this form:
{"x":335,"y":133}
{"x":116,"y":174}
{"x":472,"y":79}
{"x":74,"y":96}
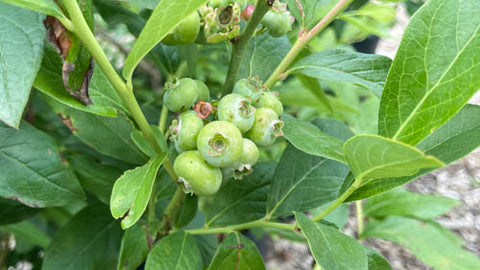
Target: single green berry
{"x":220,"y":144}
{"x":270,"y":100}
{"x":278,"y":23}
{"x":184,"y":131}
{"x":250,"y":88}
{"x":266,"y":128}
{"x":196,"y":174}
{"x":182,"y":94}
{"x":203,"y":92}
{"x":186,"y":32}
{"x":237,"y":110}
{"x":245,"y":166}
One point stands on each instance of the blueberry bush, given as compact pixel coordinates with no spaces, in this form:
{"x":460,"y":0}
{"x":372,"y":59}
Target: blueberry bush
{"x":176,"y":134}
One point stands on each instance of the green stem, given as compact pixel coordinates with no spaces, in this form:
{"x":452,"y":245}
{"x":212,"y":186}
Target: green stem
{"x":243,"y":226}
{"x":239,"y":47}
{"x":162,"y":123}
{"x":303,"y":40}
{"x":339,"y":201}
{"x":359,"y":208}
{"x":80,"y":27}
{"x":171,"y":210}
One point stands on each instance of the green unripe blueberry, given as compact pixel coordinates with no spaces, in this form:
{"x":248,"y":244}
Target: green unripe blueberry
{"x":250,"y":156}
{"x":184,"y":131}
{"x":182,"y":94}
{"x":196,"y":174}
{"x":237,"y":110}
{"x":186,"y":32}
{"x":277,"y":23}
{"x":248,"y":88}
{"x":220,"y":144}
{"x":203,"y":92}
{"x":266,"y":127}
{"x":270,"y":100}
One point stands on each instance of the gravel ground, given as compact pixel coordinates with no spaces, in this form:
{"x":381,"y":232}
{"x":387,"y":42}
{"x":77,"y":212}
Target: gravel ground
{"x":459,"y":180}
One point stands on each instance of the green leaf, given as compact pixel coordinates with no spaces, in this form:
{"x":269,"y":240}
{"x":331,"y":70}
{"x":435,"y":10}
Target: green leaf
{"x":49,"y":81}
{"x":263,"y":55}
{"x":435,"y":71}
{"x":48,"y":7}
{"x":376,"y":261}
{"x":12,"y":211}
{"x":109,"y":136}
{"x":367,"y":70}
{"x":237,"y":252}
{"x":132,"y":191}
{"x":303,"y":182}
{"x":21,"y":51}
{"x":309,"y":139}
{"x":241,"y":201}
{"x":186,"y":212}
{"x":332,"y":249}
{"x":90,"y":240}
{"x":454,"y":140}
{"x":176,"y":251}
{"x":143,"y":143}
{"x":427,"y":241}
{"x":334,"y":128}
{"x":32,"y":169}
{"x":404,"y":203}
{"x":302,"y":10}
{"x":114,"y":12}
{"x":134,"y":248}
{"x":164,"y":18}
{"x":95,"y":177}
{"x":373,"y":157}
{"x":27,"y":231}
{"x":207,"y":243}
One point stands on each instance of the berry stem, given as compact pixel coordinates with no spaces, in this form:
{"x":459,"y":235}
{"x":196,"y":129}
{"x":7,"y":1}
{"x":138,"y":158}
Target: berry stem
{"x":239,"y":47}
{"x":303,"y":40}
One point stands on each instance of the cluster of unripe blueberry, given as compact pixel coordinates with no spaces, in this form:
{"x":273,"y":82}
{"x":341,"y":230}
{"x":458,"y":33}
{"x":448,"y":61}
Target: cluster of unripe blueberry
{"x":218,"y":140}
{"x":220,"y":21}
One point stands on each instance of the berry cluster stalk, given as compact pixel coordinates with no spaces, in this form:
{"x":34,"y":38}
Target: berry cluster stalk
{"x":239,"y":46}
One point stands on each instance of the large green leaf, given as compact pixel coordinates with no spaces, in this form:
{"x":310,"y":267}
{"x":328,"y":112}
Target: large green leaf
{"x":22,"y":37}
{"x":405,"y":203}
{"x":303,"y":182}
{"x":303,"y":11}
{"x":32,"y":169}
{"x":263,"y":55}
{"x":458,"y":137}
{"x":95,"y":177}
{"x":12,"y":211}
{"x":49,"y":81}
{"x":109,"y":136}
{"x":134,"y":248}
{"x":48,"y":7}
{"x":311,"y":140}
{"x":435,"y":71}
{"x":373,"y":157}
{"x":164,"y":18}
{"x":90,"y":240}
{"x":176,"y":251}
{"x":132,"y":191}
{"x":237,"y":252}
{"x":332,"y":249}
{"x":367,"y":70}
{"x":432,"y":244}
{"x":241,"y":201}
